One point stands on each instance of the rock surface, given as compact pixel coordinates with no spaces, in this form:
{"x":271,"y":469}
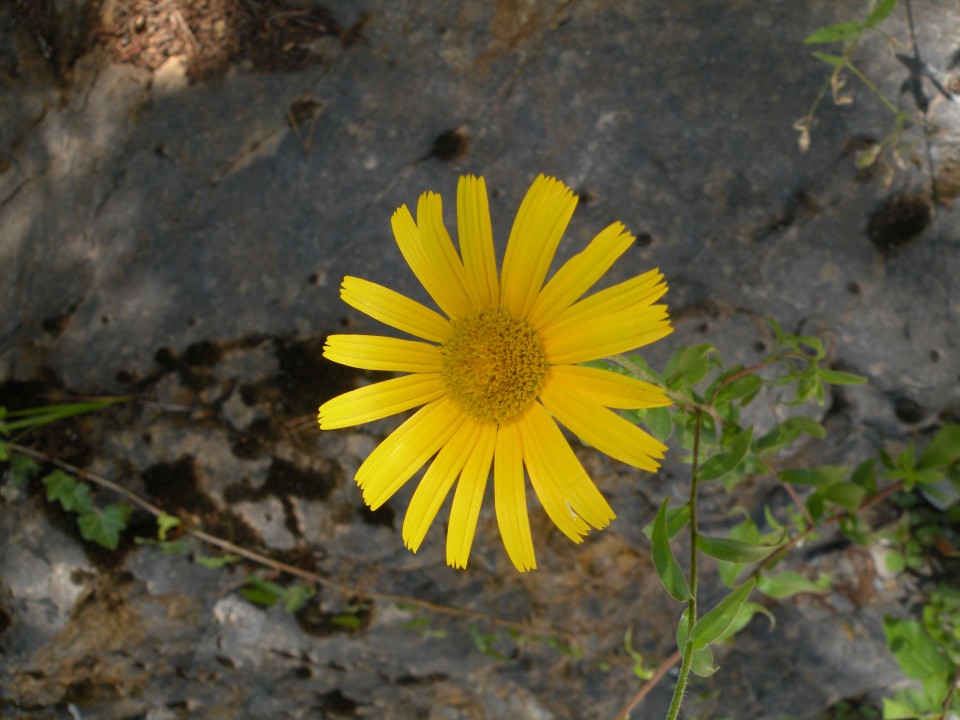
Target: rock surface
{"x":176,"y":229}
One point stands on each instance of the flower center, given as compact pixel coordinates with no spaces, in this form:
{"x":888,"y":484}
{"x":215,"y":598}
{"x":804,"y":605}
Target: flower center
{"x":493,"y":365}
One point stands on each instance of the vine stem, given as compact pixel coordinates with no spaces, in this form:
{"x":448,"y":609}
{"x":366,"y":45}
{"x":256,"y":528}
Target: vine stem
{"x":681,"y":686}
{"x":529,"y":629}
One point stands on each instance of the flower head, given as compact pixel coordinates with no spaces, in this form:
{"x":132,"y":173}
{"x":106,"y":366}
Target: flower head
{"x":498,"y":367}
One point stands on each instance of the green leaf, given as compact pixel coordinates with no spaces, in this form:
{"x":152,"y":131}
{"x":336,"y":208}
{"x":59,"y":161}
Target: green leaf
{"x":712,"y":625}
{"x":214,"y":562}
{"x":815,"y":344}
{"x":668,"y":569}
{"x":880,"y":13}
{"x":731,"y":550}
{"x":867,"y":158}
{"x":745,"y":387}
{"x":4,"y":448}
{"x":943,"y":450}
{"x":701,"y":663}
{"x":834,"y":33}
{"x":296,"y":596}
{"x":104,"y":526}
{"x":785,"y":433}
{"x":23,"y":468}
{"x":724,"y":462}
{"x":915,"y":652}
{"x":166,"y":523}
{"x":677,"y":519}
{"x":484,"y":642}
{"x":640,"y":668}
{"x":35,"y":417}
{"x":901,"y":707}
{"x":744,"y":616}
{"x":845,"y":494}
{"x":817,"y":476}
{"x":659,"y":421}
{"x":261,"y":592}
{"x":688,"y":366}
{"x":73,"y":496}
{"x":702,"y":658}
{"x":865,"y":477}
{"x":789,"y":583}
{"x":836,"y":377}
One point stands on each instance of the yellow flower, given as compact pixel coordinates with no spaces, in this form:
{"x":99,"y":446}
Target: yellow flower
{"x":492,"y":372}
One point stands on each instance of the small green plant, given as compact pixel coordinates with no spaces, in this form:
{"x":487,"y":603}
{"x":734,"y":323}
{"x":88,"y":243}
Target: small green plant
{"x":850,"y":34}
{"x":267,"y":593}
{"x":101,"y":525}
{"x":708,"y":424}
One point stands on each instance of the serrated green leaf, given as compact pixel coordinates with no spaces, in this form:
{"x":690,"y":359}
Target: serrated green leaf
{"x":723,"y":462}
{"x":104,"y":526}
{"x":712,"y":625}
{"x":943,"y":450}
{"x":834,"y":33}
{"x":73,"y":496}
{"x":836,"y":377}
{"x":880,"y":13}
{"x":667,"y":567}
{"x":817,"y":476}
{"x":789,"y":583}
{"x":735,"y":551}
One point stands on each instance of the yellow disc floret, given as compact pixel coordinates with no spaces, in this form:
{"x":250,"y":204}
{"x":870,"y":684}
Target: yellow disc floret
{"x":493,"y":365}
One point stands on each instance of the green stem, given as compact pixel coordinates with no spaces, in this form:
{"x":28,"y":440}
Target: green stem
{"x":681,"y":686}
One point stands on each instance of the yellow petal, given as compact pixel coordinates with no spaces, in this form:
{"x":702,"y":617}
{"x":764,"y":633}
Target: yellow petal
{"x":376,"y":352}
{"x":562,"y":468}
{"x":609,"y":388}
{"x":579,"y":273}
{"x":540,"y":223}
{"x":449,"y":297}
{"x":602,"y":428}
{"x":537,"y":449}
{"x":396,"y":310}
{"x":476,"y":242}
{"x":436,"y":484}
{"x":510,"y":498}
{"x":603,"y":336}
{"x":469,"y":496}
{"x":380,"y":400}
{"x":439,"y":250}
{"x":406,"y":449}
